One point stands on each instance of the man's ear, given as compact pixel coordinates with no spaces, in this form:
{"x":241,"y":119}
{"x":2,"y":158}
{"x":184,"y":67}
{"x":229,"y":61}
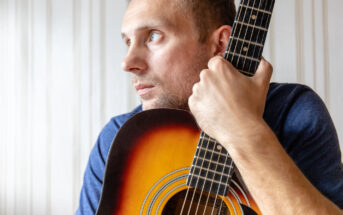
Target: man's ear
{"x":220,"y":39}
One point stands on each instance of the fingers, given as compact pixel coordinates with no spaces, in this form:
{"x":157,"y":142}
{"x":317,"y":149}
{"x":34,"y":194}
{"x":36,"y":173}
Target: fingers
{"x":264,"y":72}
{"x":218,"y":63}
{"x":221,"y":66}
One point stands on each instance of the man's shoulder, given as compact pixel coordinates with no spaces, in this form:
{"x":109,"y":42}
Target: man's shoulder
{"x":284,"y":98}
{"x":286,"y":90}
{"x":110,"y":130}
{"x":294,"y":108}
{"x":117,"y":121}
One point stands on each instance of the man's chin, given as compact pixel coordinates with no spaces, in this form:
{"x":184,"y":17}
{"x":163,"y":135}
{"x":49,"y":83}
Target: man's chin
{"x":156,"y":104}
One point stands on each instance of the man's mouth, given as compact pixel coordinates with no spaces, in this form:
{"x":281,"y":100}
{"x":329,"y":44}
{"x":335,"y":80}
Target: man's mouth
{"x":143,"y":89}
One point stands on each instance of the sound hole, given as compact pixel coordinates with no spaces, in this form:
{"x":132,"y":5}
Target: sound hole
{"x":211,"y":206}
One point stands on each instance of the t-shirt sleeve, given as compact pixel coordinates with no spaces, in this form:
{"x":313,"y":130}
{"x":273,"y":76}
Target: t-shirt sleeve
{"x":94,"y":173}
{"x":313,"y":144}
{"x":95,"y":169}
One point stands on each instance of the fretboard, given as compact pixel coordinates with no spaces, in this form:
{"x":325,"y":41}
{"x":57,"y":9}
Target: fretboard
{"x":248,"y":35}
{"x":212,"y":167}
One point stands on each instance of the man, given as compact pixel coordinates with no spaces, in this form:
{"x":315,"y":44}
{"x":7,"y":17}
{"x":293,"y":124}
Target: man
{"x":174,"y":50}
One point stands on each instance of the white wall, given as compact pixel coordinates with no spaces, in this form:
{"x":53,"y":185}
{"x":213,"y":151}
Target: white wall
{"x":61,"y":81}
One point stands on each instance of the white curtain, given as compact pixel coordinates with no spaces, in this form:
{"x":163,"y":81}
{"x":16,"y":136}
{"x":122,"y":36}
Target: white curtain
{"x":61,"y":81}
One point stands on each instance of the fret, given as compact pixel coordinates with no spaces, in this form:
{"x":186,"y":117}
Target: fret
{"x":202,"y":183}
{"x":246,"y":73}
{"x":208,"y":180}
{"x":252,"y":26}
{"x":253,"y":17}
{"x":254,"y":4}
{"x":248,"y":33}
{"x":256,"y":9}
{"x":204,"y":171}
{"x":260,"y":4}
{"x":209,"y":143}
{"x":243,"y":56}
{"x":246,"y":41}
{"x":208,"y":151}
{"x":245,"y":48}
{"x":242,"y":64}
{"x":209,"y":164}
{"x":217,"y":178}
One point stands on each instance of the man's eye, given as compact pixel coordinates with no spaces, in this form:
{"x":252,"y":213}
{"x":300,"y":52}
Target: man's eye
{"x":154,"y":36}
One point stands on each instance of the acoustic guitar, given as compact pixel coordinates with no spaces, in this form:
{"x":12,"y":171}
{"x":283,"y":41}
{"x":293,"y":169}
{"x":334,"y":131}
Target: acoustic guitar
{"x":160,"y":162}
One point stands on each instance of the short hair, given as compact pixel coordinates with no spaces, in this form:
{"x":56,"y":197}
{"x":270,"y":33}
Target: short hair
{"x":209,"y":14}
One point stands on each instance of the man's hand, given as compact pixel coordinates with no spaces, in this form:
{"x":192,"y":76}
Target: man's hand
{"x":229,"y":107}
{"x":226,"y":103}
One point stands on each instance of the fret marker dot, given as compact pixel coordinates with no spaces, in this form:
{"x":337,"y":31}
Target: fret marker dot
{"x":219,"y":147}
{"x":253,"y":17}
{"x":245,"y":49}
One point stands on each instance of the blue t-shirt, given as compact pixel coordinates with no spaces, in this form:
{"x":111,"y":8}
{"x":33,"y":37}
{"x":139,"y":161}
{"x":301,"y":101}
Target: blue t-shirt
{"x":294,"y":112}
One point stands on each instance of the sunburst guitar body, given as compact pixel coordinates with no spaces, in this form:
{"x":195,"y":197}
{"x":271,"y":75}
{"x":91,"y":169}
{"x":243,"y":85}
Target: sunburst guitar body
{"x":149,"y":164}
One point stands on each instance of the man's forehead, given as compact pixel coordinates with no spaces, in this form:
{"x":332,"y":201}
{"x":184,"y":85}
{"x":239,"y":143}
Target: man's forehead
{"x":143,"y":14}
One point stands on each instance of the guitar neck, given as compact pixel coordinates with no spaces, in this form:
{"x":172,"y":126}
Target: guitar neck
{"x":248,"y":35}
{"x":212,"y":166}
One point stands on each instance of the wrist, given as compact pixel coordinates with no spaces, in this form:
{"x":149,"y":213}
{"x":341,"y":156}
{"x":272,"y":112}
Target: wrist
{"x":246,"y":131}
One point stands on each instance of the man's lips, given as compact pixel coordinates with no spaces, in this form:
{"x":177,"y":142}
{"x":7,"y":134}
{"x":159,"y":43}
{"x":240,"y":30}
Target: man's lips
{"x":143,"y":89}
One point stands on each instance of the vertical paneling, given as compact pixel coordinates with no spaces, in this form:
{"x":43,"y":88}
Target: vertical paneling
{"x":41,"y":127}
{"x":335,"y":57}
{"x":284,"y":41}
{"x":12,"y":107}
{"x":62,"y":101}
{"x":61,"y":81}
{"x":5,"y":101}
{"x":76,"y":183}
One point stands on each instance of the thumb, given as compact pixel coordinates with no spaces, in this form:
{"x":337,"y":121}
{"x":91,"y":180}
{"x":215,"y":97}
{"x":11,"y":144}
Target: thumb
{"x":264,"y":72}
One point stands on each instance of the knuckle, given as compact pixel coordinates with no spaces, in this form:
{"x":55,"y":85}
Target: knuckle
{"x":195,"y":88}
{"x":215,"y":62}
{"x":204,"y":74}
{"x":268,"y":66}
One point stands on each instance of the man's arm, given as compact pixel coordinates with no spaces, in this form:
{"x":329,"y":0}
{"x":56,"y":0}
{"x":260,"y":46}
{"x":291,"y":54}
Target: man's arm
{"x":94,"y":173}
{"x":229,"y":107}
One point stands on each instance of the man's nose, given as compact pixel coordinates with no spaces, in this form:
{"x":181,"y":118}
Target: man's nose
{"x":135,"y":60}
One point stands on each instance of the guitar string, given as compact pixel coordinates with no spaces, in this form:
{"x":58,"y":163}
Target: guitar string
{"x":202,"y":164}
{"x":192,"y":176}
{"x":229,"y":47}
{"x":231,"y":163}
{"x":224,"y":166}
{"x":246,"y":32}
{"x":259,"y":31}
{"x":208,"y":196}
{"x":266,"y":33}
{"x":208,"y":169}
{"x":229,"y":174}
{"x":270,"y":9}
{"x":239,"y":33}
{"x":227,"y":182}
{"x":249,"y":69}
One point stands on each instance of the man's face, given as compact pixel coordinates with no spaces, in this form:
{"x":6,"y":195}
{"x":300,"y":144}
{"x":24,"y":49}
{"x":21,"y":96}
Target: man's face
{"x":164,"y":54}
